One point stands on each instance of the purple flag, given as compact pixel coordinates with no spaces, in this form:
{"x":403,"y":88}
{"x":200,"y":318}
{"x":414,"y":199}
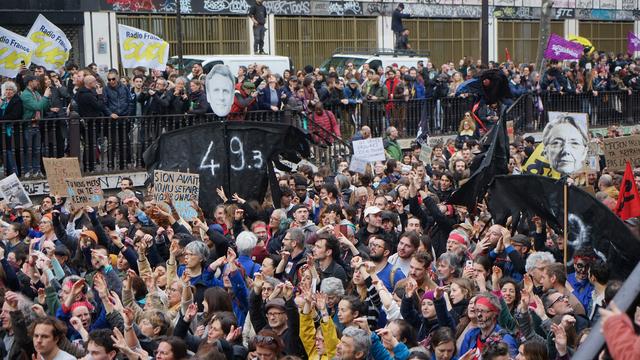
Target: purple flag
{"x":633,"y":43}
{"x":559,"y":48}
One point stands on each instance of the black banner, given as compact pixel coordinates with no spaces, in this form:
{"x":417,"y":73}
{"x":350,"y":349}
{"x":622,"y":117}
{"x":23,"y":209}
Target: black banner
{"x":234,"y":155}
{"x":590,"y":221}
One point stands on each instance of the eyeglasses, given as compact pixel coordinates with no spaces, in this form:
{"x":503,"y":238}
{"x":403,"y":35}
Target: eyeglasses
{"x":267,"y":340}
{"x":561,"y":298}
{"x":272,"y":314}
{"x":112,"y":79}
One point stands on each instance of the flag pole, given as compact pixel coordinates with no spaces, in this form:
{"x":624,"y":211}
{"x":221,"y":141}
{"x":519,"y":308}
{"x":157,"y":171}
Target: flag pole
{"x":566,"y":229}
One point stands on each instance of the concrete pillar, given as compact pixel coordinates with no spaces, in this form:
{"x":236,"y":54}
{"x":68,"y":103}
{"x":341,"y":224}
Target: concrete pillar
{"x":493,"y":39}
{"x":270,"y":37}
{"x":385,"y":35}
{"x":571,"y":27}
{"x":100,"y":37}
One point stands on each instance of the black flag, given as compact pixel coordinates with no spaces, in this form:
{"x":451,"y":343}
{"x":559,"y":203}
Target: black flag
{"x":235,"y":155}
{"x":590,"y":222}
{"x":493,"y":161}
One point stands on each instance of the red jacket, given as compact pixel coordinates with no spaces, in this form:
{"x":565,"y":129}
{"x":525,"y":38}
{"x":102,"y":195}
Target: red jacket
{"x":391,"y":86}
{"x":622,"y":341}
{"x":326,"y":121}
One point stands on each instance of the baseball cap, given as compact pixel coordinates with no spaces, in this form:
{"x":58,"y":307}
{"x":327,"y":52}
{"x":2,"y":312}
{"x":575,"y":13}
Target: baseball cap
{"x":248,"y":85}
{"x":521,"y":240}
{"x":277,"y":303}
{"x":372,"y":210}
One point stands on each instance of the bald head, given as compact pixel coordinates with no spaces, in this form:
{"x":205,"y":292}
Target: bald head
{"x":89,"y":82}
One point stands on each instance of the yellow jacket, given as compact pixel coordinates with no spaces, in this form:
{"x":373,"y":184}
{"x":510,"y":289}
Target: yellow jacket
{"x":308,"y":337}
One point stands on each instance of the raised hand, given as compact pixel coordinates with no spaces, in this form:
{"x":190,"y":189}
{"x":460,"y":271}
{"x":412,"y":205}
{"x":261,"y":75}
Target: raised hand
{"x":560,"y":338}
{"x":410,"y":287}
{"x":321,"y":301}
{"x":38,"y":310}
{"x":234,"y":333}
{"x":76,"y":323}
{"x":191,"y":313}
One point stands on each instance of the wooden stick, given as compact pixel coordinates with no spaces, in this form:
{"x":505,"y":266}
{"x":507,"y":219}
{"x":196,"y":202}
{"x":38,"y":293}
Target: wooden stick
{"x":566,"y":220}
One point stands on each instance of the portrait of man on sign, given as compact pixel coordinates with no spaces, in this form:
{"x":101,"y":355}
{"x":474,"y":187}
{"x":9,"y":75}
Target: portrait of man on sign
{"x":566,"y":142}
{"x":220,"y":89}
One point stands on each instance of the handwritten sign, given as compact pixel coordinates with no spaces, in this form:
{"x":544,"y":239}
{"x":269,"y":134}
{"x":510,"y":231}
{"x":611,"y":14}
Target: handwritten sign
{"x":358,"y":165}
{"x":619,"y":150}
{"x":58,"y":170}
{"x":369,"y":149}
{"x":182,"y":187}
{"x":140,"y":48}
{"x":14,"y":193}
{"x":425,"y":154}
{"x":14,"y":49}
{"x":52,"y":46}
{"x":84,"y":191}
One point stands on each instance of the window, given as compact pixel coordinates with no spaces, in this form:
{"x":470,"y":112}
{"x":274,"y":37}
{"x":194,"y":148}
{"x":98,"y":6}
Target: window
{"x":521,"y":38}
{"x":312,"y":40}
{"x":606,"y":36}
{"x":446,"y":40}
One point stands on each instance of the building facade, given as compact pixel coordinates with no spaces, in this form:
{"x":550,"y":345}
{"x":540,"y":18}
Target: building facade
{"x":309,"y":31}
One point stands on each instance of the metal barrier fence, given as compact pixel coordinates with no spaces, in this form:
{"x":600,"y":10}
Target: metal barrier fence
{"x":105,"y":145}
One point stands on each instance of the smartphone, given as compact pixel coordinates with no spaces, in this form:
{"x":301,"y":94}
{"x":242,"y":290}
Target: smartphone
{"x":468,"y":264}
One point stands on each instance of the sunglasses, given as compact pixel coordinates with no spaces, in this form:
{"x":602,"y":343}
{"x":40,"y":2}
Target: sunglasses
{"x":267,"y":340}
{"x":112,"y":79}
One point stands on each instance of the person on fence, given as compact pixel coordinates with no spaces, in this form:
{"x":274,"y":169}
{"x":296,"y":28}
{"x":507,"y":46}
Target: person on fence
{"x":34,"y":106}
{"x":10,"y":110}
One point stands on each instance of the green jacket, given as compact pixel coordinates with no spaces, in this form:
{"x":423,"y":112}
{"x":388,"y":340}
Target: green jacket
{"x":31,"y":104}
{"x":393,"y":149}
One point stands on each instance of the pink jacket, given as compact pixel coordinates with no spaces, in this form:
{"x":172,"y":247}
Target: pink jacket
{"x":621,"y":339}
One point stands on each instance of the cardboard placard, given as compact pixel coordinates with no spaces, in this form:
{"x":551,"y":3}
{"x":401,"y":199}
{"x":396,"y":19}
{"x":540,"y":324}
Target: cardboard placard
{"x":619,"y":150}
{"x":58,"y":170}
{"x":85,"y":191}
{"x":358,"y":165}
{"x":182,"y":187}
{"x":14,"y":193}
{"x":425,"y":154}
{"x":369,"y":149}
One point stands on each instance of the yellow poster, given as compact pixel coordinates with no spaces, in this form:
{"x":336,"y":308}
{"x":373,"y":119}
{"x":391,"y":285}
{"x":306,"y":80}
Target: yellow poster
{"x":537,"y":164}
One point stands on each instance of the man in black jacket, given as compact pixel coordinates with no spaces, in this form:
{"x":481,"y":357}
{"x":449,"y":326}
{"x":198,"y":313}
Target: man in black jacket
{"x":396,"y":22}
{"x":91,"y":104}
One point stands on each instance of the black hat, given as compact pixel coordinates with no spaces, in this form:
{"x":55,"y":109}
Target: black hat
{"x":521,"y":240}
{"x":401,"y":5}
{"x":62,"y":250}
{"x":530,"y":139}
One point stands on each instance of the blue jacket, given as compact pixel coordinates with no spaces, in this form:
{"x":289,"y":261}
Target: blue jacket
{"x":581,"y":289}
{"x":517,"y":90}
{"x":416,"y":90}
{"x":250,"y":267}
{"x":378,"y":351}
{"x":471,"y":339}
{"x":264,"y":99}
{"x":352,"y":95}
{"x":117,"y":100}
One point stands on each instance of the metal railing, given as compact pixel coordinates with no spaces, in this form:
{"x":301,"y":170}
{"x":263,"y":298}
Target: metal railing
{"x":105,"y":145}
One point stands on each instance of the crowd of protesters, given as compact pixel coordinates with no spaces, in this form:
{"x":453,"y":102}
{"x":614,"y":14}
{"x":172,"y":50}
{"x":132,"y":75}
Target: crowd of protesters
{"x":333,"y":100}
{"x":348,"y":266}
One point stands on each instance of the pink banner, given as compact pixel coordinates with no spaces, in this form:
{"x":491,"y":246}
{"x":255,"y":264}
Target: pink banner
{"x":633,"y":43}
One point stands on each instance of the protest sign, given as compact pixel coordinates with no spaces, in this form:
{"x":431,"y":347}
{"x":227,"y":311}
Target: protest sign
{"x":537,"y":164}
{"x":84,"y":191}
{"x":140,"y":48}
{"x":425,"y":154}
{"x":619,"y":150}
{"x":181,"y":187}
{"x":358,"y":165}
{"x":58,"y":170}
{"x":566,"y":142}
{"x":14,"y":193}
{"x":369,"y":149}
{"x":14,"y":51}
{"x":52,"y":46}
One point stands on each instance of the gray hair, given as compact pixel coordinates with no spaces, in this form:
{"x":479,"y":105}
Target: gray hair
{"x":281,"y":214}
{"x":606,"y":180}
{"x":246,"y":242}
{"x":332,"y":286}
{"x":451,"y":259}
{"x":182,"y":79}
{"x":537,"y":257}
{"x":9,"y":85}
{"x":492,"y":299}
{"x":222,"y":70}
{"x":297,"y":235}
{"x":343,"y":182}
{"x":546,"y":133}
{"x":198,"y":248}
{"x":361,"y":341}
{"x":273,"y":281}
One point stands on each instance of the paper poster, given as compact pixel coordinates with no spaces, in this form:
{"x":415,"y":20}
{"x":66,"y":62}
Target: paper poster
{"x":140,"y":48}
{"x":85,"y":191}
{"x":58,"y":170}
{"x":14,"y":50}
{"x":566,"y":142}
{"x":369,"y":149}
{"x":14,"y":193}
{"x":619,"y":150}
{"x":52,"y":46}
{"x":182,"y":187}
{"x":358,"y":165}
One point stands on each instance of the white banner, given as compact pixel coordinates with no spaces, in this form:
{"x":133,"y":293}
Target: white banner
{"x":140,"y":48}
{"x":14,"y":49}
{"x":13,"y":192}
{"x":369,"y":149}
{"x":52,"y":45}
